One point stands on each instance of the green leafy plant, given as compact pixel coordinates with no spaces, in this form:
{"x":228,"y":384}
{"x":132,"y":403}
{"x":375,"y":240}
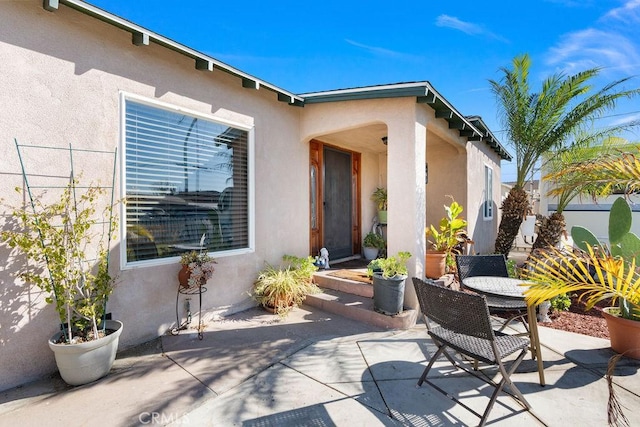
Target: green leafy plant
{"x":374,"y":240}
{"x":374,"y":267}
{"x":379,"y":196}
{"x":561,"y":302}
{"x":450,"y":232}
{"x":393,"y":266}
{"x":284,"y":287}
{"x":60,"y":240}
{"x":512,"y":269}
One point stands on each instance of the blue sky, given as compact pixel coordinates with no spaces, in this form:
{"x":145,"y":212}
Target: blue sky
{"x":457,"y":46}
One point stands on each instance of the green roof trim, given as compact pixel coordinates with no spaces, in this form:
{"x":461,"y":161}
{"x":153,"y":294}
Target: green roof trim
{"x":471,"y":127}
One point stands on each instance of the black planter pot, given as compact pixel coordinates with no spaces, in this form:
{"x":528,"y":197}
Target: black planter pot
{"x":388,"y":294}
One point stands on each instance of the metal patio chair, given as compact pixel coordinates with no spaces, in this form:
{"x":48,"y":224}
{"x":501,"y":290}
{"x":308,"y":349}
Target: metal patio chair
{"x":492,"y":265}
{"x":460,"y":321}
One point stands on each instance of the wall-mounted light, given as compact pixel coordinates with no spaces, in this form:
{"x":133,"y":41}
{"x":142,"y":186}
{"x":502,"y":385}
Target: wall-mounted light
{"x":384,"y":140}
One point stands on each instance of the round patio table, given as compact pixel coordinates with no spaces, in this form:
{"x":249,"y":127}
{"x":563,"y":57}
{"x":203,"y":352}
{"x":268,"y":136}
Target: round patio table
{"x":511,"y":289}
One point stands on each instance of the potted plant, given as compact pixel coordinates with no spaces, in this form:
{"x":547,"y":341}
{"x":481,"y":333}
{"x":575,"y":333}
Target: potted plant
{"x":373,"y":243}
{"x":380,"y":198}
{"x":598,"y":271}
{"x":444,"y":241}
{"x":374,"y":267}
{"x":58,"y":240}
{"x":278,"y":289}
{"x":389,"y":283}
{"x":197,"y":268}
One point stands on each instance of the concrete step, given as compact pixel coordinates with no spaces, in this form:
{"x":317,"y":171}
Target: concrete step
{"x":360,"y":308}
{"x":324,"y":280}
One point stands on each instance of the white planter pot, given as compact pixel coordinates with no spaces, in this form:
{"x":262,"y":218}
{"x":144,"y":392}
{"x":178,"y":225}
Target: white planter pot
{"x":370,"y":253}
{"x":86,"y":362}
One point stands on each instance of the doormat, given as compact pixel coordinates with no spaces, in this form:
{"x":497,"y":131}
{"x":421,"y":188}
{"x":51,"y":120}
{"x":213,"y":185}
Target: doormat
{"x":357,"y":276}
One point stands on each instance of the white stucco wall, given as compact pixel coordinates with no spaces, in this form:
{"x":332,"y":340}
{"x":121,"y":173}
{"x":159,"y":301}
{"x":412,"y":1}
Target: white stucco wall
{"x":594,"y":215}
{"x":482,"y":231}
{"x":62,"y":73}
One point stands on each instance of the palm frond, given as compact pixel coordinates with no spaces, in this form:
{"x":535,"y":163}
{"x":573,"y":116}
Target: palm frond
{"x":594,"y":273}
{"x":604,"y":174}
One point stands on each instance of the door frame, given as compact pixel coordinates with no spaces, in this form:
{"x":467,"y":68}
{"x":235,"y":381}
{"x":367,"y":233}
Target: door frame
{"x":316,"y":198}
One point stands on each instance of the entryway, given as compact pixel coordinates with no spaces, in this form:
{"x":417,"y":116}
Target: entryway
{"x":335,"y":200}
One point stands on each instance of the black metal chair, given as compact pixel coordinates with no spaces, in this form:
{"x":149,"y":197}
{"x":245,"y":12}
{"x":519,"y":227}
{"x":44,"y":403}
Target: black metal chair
{"x":492,"y":265}
{"x":463,"y":324}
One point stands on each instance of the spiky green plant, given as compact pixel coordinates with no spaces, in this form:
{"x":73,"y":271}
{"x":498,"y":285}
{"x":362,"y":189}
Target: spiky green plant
{"x":282,"y":288}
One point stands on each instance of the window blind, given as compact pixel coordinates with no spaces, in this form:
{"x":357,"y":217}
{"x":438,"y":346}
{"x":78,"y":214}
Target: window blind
{"x":185,"y":176}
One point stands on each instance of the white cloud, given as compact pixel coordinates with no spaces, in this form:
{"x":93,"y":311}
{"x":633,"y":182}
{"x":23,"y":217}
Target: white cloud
{"x":625,"y":120}
{"x":595,"y":48}
{"x":628,"y":13}
{"x":379,"y":50}
{"x":456,"y":24}
{"x":466,"y":27}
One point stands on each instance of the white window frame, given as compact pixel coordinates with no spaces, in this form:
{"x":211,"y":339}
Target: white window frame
{"x":124,"y":98}
{"x":487,"y":204}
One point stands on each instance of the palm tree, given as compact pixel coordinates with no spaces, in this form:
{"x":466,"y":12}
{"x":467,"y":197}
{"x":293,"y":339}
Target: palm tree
{"x":613,"y":271}
{"x":568,"y":183}
{"x":539,"y":122}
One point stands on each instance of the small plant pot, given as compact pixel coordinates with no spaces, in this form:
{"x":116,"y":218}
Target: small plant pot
{"x":623,"y":333}
{"x":435,"y":264}
{"x":370,"y":253}
{"x":183,"y":276}
{"x":388,"y":294}
{"x":382,"y":217}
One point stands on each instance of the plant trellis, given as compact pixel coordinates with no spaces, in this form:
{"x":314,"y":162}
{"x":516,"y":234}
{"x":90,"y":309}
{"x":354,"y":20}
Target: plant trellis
{"x":70,"y":177}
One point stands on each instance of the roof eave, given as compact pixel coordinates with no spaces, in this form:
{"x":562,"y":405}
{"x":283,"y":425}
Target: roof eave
{"x":473,"y":130}
{"x":141,"y":36}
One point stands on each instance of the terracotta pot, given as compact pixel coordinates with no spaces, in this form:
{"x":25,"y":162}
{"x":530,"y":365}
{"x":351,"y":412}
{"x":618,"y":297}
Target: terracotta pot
{"x":183,"y":276}
{"x":435,"y":265}
{"x":623,"y":333}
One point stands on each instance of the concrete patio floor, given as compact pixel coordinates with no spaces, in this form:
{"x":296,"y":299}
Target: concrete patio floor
{"x":318,"y":369}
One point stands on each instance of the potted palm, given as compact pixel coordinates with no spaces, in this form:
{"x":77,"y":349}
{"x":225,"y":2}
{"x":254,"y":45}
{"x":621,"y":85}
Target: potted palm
{"x":389,"y":276}
{"x":373,"y":243}
{"x":444,"y":240}
{"x":68,"y":257}
{"x":278,"y":289}
{"x":598,"y":271}
{"x":379,"y":196}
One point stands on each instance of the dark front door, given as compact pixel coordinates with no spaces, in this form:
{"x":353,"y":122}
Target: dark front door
{"x":337,"y":203}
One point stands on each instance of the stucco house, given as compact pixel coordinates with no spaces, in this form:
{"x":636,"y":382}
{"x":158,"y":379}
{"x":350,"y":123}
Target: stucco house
{"x":206,"y":148}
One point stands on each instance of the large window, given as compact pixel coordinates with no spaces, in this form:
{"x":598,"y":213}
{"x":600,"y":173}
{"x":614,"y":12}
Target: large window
{"x":487,"y":211}
{"x":185,"y":177}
